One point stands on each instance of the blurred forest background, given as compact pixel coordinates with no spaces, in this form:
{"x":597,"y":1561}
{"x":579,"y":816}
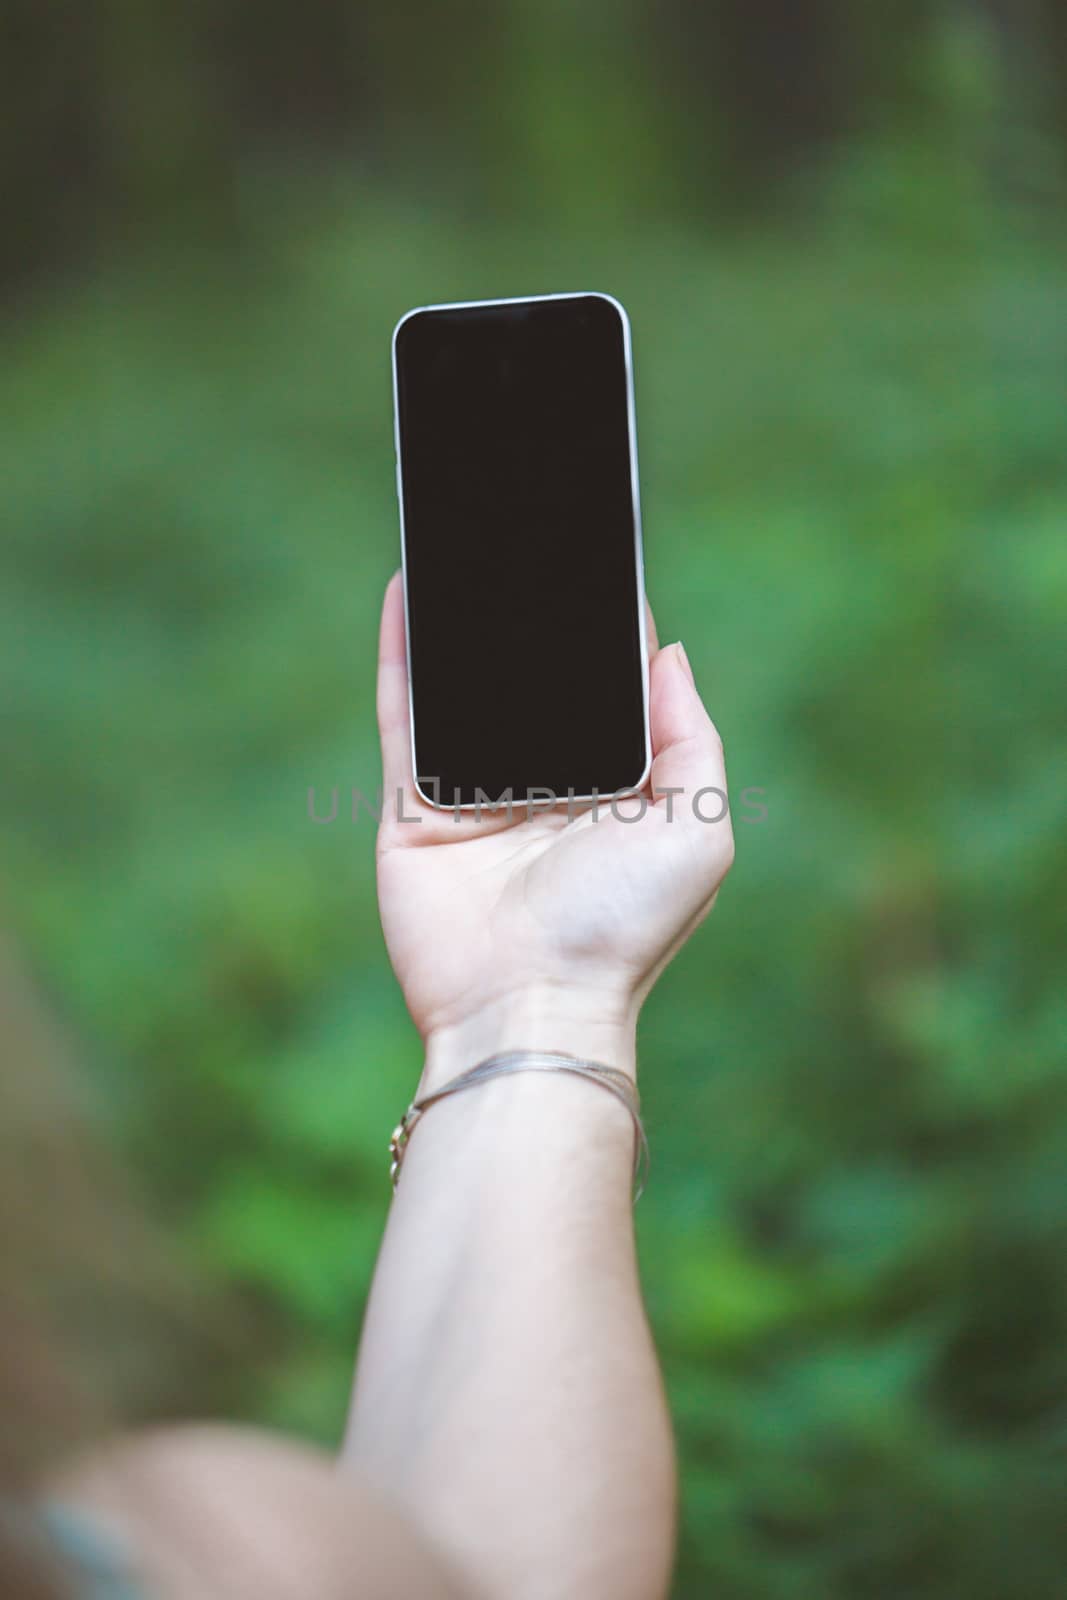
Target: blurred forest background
{"x":839,"y":231}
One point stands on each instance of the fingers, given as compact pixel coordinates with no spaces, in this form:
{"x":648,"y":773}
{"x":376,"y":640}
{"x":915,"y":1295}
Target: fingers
{"x":650,"y":630}
{"x":688,"y":754}
{"x":393,"y":708}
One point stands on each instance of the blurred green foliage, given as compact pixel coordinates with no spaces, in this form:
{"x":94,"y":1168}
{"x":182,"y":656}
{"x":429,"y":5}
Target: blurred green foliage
{"x":854,"y":459}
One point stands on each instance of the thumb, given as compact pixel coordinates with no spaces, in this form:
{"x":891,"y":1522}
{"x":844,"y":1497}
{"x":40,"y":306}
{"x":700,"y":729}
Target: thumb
{"x":393,"y":714}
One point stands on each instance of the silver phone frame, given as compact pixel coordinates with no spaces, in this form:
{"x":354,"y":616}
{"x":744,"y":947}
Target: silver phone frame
{"x":639,"y":559}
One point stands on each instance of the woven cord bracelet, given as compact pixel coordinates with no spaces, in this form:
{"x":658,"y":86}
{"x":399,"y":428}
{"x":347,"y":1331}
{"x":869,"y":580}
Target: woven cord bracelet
{"x":609,"y":1078}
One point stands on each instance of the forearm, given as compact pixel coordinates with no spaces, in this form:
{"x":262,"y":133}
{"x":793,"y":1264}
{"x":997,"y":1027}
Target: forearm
{"x":507,"y":1388}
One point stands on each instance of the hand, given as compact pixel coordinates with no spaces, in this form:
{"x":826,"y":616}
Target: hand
{"x":545,"y":932}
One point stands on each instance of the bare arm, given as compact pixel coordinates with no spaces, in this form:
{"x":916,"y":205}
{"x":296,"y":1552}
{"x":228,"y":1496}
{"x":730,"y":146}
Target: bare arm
{"x":507,"y":1386}
{"x":508,"y":1438}
{"x":507,"y":1389}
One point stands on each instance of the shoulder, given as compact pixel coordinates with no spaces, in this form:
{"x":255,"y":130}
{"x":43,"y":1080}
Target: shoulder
{"x":212,"y":1511}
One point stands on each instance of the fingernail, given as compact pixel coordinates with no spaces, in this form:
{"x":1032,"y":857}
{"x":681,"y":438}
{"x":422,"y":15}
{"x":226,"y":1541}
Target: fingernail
{"x":684,"y":659}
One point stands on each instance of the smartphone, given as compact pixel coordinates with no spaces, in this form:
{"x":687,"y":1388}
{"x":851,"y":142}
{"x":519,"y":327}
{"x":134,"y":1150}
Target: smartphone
{"x":521,"y":543}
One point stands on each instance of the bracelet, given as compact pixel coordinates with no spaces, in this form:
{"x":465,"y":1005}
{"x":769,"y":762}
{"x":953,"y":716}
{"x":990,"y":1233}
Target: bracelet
{"x":609,"y":1078}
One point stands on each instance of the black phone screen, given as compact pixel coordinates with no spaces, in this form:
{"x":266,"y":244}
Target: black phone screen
{"x":521,"y":550}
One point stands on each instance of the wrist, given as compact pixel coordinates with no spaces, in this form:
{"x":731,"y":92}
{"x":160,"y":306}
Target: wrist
{"x":594,"y":1026}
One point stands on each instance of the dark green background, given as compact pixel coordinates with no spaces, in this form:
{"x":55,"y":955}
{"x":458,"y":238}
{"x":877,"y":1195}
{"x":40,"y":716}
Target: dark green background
{"x":838,"y":231}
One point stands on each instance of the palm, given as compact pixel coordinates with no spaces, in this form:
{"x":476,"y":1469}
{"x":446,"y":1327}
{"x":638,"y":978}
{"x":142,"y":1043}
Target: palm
{"x":474,"y":909}
{"x":555,"y":900}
